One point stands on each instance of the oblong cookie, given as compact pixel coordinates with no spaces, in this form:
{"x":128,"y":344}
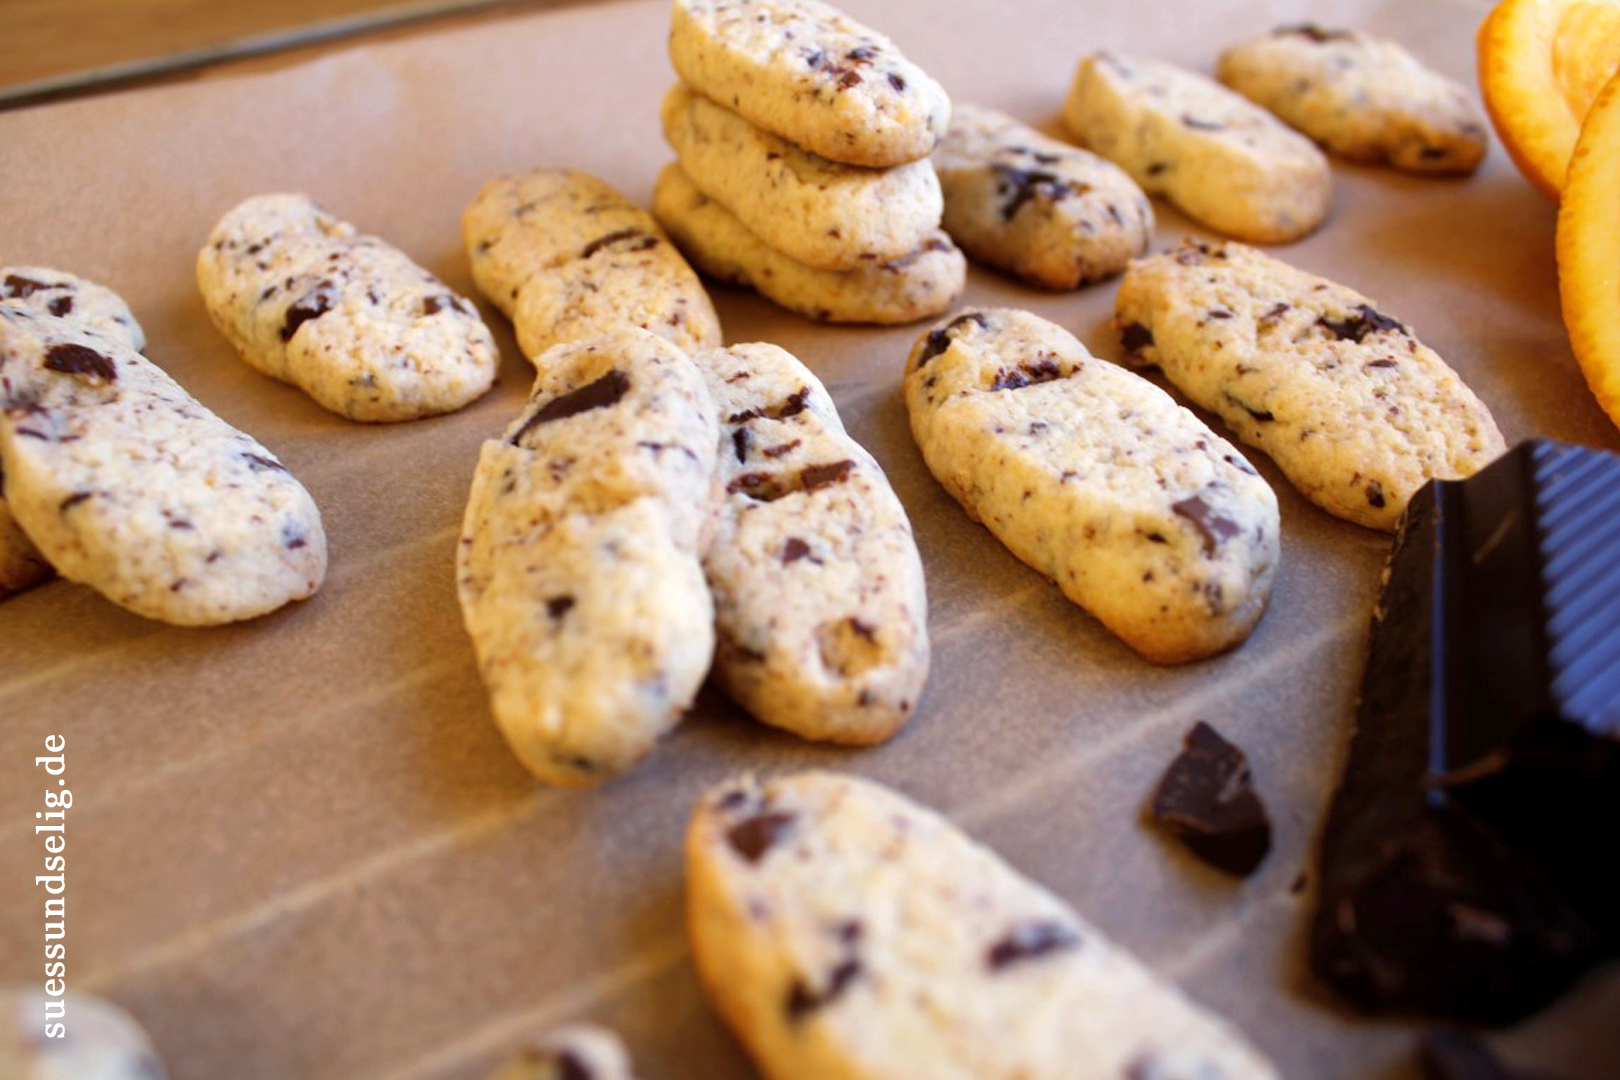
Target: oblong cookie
{"x":1225,"y":161}
{"x":578,"y":569}
{"x":346,"y":318}
{"x":1096,"y":478}
{"x":820,"y":608}
{"x":1356,"y":411}
{"x":807,"y":72}
{"x":915,"y":286}
{"x":814,"y":211}
{"x":61,"y":295}
{"x":1363,"y":97}
{"x":566,"y":257}
{"x":845,"y":932}
{"x":129,"y":485}
{"x":1053,"y":215}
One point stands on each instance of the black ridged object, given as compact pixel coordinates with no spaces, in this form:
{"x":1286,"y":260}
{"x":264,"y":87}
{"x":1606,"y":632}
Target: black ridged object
{"x":1465,"y":868}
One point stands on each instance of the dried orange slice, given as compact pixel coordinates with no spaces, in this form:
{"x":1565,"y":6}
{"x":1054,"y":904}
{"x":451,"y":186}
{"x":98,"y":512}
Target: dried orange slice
{"x":1541,"y":62}
{"x":1589,"y":249}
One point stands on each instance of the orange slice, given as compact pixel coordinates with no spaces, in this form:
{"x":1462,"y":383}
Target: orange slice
{"x":1541,"y":62}
{"x":1589,"y":249}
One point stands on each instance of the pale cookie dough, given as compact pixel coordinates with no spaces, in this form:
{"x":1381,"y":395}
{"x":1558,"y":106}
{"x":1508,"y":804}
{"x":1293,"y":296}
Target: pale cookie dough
{"x":64,"y":296}
{"x":845,"y":932}
{"x":574,"y":1052}
{"x":130,"y":486}
{"x":566,"y":257}
{"x":53,"y":292}
{"x":918,"y":285}
{"x":352,"y":322}
{"x":814,"y":211}
{"x":820,"y":609}
{"x":578,"y":566}
{"x":1355,"y":410}
{"x":1224,"y":161}
{"x":1049,"y":213}
{"x":82,"y":1038}
{"x":1362,"y":97}
{"x":1096,"y":478}
{"x":809,"y":73}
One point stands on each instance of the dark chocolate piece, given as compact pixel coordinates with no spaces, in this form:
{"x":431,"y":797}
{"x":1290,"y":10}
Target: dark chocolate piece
{"x":1207,"y":799}
{"x":753,"y":836}
{"x":1452,"y":1055}
{"x":1041,"y":371}
{"x":71,"y":358}
{"x":597,"y":394}
{"x":1459,"y":875}
{"x":1030,"y":940}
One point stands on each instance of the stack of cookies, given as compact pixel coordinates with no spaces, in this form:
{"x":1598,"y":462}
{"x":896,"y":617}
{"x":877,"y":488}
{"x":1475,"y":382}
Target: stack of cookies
{"x":802,"y":141}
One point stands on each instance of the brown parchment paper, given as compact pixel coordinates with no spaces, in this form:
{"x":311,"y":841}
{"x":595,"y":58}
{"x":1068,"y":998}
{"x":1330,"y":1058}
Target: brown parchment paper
{"x":298,"y":847}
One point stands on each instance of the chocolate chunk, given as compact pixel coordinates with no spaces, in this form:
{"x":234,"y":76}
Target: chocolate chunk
{"x":739,"y":443}
{"x":802,"y":1000}
{"x":60,"y":306}
{"x":940,"y":339}
{"x":849,"y":79}
{"x":1458,"y":873}
{"x":897,"y":82}
{"x":432,"y":305}
{"x":1312,"y":32}
{"x":795,"y":404}
{"x":794,"y":550}
{"x":73,"y":500}
{"x":860,"y":54}
{"x":763,"y":486}
{"x":17,"y":287}
{"x":1043,"y":370}
{"x":1365,"y":321}
{"x":1375,"y":493}
{"x":558,"y":606}
{"x":611,"y":238}
{"x":1135,"y":337}
{"x":263,"y":464}
{"x":1196,"y":124}
{"x":598,"y":394}
{"x":569,"y":1067}
{"x":71,"y":358}
{"x":1019,"y":186}
{"x":1207,"y":798}
{"x":1264,"y":416}
{"x":781,"y":448}
{"x":753,"y":836}
{"x":1212,"y":526}
{"x":819,"y":476}
{"x":312,"y":305}
{"x":1030,"y":940}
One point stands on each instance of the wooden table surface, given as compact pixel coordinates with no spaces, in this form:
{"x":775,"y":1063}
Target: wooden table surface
{"x":51,"y":48}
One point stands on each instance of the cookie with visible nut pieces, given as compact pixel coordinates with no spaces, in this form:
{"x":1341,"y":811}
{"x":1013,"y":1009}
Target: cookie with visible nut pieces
{"x":1222,"y":159}
{"x":1355,"y":410}
{"x":1054,"y":215}
{"x":566,"y":257}
{"x":1097,"y":479}
{"x":820,"y":607}
{"x":129,"y":485}
{"x":578,"y":566}
{"x":807,"y":72}
{"x":918,"y":285}
{"x":845,"y":932}
{"x":346,"y":318}
{"x":1361,"y":97}
{"x":814,"y":211}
